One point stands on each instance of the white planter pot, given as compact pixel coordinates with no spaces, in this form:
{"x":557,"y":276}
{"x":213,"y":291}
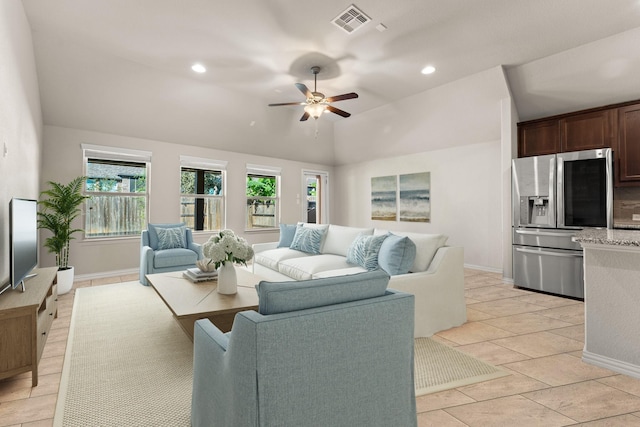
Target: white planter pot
{"x":65,"y":280}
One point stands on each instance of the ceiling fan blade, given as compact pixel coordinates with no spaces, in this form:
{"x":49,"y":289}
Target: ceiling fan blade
{"x":305,"y":90}
{"x":287,"y":103}
{"x":342,"y":97}
{"x":338,"y":111}
{"x":304,"y":117}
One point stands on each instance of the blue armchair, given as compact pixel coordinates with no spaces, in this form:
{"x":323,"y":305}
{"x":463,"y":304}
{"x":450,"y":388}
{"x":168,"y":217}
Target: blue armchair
{"x":167,"y":247}
{"x":324,"y":352}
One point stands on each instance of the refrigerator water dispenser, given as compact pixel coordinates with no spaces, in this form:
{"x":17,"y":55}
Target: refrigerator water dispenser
{"x":535,"y":211}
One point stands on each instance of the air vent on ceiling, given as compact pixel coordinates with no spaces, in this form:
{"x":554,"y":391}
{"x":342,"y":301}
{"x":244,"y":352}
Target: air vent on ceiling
{"x":351,"y":19}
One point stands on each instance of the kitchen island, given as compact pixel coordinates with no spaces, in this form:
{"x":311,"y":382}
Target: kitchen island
{"x":612,"y":299}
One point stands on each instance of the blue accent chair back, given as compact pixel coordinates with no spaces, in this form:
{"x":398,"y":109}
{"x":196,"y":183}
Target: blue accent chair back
{"x":336,"y":364}
{"x":154,"y":260}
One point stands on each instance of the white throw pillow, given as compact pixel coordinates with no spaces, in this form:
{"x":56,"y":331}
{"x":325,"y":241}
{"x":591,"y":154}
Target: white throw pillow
{"x":426,"y":247}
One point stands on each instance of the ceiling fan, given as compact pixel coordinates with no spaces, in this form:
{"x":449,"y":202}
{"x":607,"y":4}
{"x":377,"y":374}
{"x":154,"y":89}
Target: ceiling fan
{"x":316,"y":103}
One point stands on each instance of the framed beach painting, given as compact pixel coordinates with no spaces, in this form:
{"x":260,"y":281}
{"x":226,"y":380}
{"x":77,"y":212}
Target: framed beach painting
{"x":383,"y":198}
{"x":415,"y":197}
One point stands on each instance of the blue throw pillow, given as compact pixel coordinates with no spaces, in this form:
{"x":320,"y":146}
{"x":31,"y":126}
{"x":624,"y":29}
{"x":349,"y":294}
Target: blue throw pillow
{"x":152,"y":232}
{"x":364,"y":251}
{"x":287,"y":231}
{"x":307,"y":239}
{"x":171,"y":238}
{"x":397,"y":254}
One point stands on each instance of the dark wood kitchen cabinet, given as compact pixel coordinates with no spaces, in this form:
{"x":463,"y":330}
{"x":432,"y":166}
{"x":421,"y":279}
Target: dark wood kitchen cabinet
{"x":613,"y":126}
{"x":588,"y":131}
{"x":628,"y":150}
{"x":538,"y":138}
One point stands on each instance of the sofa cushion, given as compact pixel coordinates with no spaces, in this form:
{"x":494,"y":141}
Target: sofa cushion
{"x":173,"y":237}
{"x":339,"y":238}
{"x":364,"y":251}
{"x":270,"y":258}
{"x":282,"y":297}
{"x":339,"y":272}
{"x":397,"y":254}
{"x":287,"y":231}
{"x":305,"y":267}
{"x":174,"y":257}
{"x":153,"y":233}
{"x":308,"y":239}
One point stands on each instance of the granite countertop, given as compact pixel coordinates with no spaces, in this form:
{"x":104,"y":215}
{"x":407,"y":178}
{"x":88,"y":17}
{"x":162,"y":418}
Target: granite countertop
{"x":604,"y":236}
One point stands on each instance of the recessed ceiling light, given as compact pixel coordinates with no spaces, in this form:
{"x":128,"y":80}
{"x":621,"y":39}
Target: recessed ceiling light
{"x":198,"y":68}
{"x":429,"y":69}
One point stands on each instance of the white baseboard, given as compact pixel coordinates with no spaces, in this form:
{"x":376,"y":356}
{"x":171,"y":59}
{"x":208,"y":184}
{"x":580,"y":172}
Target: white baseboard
{"x":506,"y":280}
{"x":483,"y":268}
{"x":611,"y":364}
{"x":105,"y":274}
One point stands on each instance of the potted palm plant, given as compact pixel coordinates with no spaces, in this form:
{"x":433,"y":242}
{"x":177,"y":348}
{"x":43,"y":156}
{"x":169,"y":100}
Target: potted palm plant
{"x":60,"y":205}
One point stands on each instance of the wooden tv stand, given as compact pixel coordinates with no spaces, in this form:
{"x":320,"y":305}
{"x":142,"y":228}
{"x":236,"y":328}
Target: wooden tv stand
{"x":25,"y":321}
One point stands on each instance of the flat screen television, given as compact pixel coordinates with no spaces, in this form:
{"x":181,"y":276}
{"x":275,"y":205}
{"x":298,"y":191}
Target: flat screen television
{"x":23,"y":240}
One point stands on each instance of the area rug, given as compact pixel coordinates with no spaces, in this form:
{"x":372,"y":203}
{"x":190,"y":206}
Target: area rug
{"x":128,"y":362}
{"x":439,"y":367}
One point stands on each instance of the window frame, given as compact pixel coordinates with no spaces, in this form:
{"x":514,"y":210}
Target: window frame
{"x":263,"y":171}
{"x":115,"y":155}
{"x":205,"y":165}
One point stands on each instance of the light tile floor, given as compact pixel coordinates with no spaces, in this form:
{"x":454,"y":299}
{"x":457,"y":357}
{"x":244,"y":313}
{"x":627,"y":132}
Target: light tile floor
{"x":538,"y":338}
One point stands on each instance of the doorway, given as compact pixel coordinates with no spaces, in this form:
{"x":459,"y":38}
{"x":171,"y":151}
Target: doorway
{"x":314,"y":206}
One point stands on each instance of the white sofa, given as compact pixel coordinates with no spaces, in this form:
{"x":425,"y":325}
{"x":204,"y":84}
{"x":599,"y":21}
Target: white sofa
{"x":436,"y":277}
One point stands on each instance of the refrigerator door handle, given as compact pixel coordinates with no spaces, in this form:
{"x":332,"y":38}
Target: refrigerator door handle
{"x":550,"y":253}
{"x":546,"y":233}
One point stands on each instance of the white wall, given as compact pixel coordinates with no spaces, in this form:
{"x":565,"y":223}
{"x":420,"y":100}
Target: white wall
{"x":465,"y":111}
{"x":462,"y":133}
{"x":509,"y":150}
{"x":20,"y":119}
{"x":599,"y":73}
{"x":63,"y":154}
{"x":466,"y":204}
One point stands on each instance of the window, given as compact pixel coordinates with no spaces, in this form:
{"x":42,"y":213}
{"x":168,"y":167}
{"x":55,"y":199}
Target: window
{"x":117,"y":186}
{"x":202,"y":193}
{"x":263,"y":189}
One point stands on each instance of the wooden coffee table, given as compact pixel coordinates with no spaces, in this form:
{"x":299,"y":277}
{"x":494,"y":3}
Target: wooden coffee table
{"x":190,"y":301}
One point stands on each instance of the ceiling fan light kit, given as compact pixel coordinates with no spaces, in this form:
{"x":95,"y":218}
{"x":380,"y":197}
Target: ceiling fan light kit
{"x":316,"y":103}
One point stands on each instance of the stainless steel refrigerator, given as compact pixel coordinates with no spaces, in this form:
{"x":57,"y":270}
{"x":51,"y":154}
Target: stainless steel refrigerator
{"x":553,"y":197}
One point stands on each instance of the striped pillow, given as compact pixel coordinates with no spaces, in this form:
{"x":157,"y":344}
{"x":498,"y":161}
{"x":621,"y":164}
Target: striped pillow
{"x":308,"y":239}
{"x":364,"y":251}
{"x":171,"y":238}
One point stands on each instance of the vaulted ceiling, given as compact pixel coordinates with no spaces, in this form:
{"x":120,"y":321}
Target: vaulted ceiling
{"x":124,"y":67}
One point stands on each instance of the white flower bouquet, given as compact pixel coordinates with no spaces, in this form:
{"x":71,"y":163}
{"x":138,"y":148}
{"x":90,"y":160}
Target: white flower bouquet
{"x":227,"y":247}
